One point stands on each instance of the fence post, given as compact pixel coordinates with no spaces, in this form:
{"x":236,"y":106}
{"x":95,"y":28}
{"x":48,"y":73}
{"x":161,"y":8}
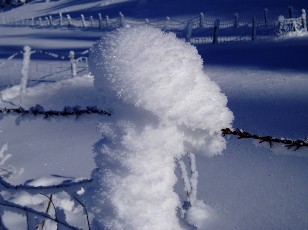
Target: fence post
{"x":40,"y":20}
{"x":84,"y":25}
{"x":60,"y":18}
{"x":92,"y":21}
{"x":201,"y":22}
{"x":107,"y":20}
{"x":73,"y":63}
{"x":167,"y":23}
{"x":266,"y":16}
{"x":236,"y":23}
{"x":216,"y":28}
{"x":280,"y":24}
{"x":24,"y":72}
{"x":69,"y":20}
{"x":47,"y":20}
{"x":254,"y":29}
{"x":304,"y":20}
{"x":121,"y":19}
{"x":100,"y":21}
{"x":188,"y":31}
{"x":291,"y":9}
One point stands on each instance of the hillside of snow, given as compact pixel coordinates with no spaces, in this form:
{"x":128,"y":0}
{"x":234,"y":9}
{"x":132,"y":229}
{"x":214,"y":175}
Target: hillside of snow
{"x":159,"y":161}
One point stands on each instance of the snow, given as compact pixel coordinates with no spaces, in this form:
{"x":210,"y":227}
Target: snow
{"x":247,"y":186}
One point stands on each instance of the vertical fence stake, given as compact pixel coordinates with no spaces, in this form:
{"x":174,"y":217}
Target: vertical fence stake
{"x":32,"y":21}
{"x":121,"y":19}
{"x":92,"y":21}
{"x":304,"y":20}
{"x":107,"y":20}
{"x":69,"y":20}
{"x":167,"y":23}
{"x":216,"y":28}
{"x":40,"y":20}
{"x":73,"y":63}
{"x":47,"y":20}
{"x":201,"y":22}
{"x":188,"y":31}
{"x":100,"y":21}
{"x":254,"y":29}
{"x":51,"y":20}
{"x":280,"y":24}
{"x":24,"y":72}
{"x":236,"y":22}
{"x":266,"y":16}
{"x":60,"y":19}
{"x":84,"y":25}
{"x":291,"y":10}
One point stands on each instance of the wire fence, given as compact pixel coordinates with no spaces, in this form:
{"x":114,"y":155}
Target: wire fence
{"x":44,"y":67}
{"x":196,"y":30}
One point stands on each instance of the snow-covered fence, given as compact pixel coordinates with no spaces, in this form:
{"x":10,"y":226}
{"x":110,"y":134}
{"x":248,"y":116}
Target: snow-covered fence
{"x":44,"y":66}
{"x":202,"y":30}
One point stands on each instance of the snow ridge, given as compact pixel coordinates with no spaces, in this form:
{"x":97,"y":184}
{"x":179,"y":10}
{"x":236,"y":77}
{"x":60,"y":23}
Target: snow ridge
{"x":164,"y":107}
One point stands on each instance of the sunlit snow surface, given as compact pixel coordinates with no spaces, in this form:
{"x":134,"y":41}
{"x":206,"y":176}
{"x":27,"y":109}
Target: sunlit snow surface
{"x":248,"y":187}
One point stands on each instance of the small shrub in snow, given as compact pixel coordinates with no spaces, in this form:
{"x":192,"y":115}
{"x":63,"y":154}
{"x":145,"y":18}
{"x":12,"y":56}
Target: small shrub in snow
{"x":164,"y":107}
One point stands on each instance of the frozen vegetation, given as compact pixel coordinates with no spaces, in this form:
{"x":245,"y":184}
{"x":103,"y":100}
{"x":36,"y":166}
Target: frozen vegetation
{"x":159,"y":161}
{"x":164,"y":107}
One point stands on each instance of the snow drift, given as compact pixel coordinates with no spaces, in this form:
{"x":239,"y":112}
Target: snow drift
{"x":164,"y":107}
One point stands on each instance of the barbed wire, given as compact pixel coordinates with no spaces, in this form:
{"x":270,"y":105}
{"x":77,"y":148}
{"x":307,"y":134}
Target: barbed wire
{"x":296,"y":144}
{"x":66,"y":112}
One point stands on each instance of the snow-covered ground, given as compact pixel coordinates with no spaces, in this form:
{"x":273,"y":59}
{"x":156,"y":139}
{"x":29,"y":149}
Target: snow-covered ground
{"x":137,"y":157}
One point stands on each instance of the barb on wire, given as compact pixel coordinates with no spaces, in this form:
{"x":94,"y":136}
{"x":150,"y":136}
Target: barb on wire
{"x":296,"y":144}
{"x":66,"y":112}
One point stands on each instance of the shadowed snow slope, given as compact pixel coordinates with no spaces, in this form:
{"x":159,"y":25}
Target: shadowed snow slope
{"x":164,"y":106}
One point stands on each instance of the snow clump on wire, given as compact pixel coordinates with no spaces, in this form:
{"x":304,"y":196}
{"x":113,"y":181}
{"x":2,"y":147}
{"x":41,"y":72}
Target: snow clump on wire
{"x":163,"y":107}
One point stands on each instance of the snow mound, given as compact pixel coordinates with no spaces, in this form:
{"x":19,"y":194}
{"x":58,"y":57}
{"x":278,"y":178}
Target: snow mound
{"x":164,"y":107}
{"x":148,"y":68}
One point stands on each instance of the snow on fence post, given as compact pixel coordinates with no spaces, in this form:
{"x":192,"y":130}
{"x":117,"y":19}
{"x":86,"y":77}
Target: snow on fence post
{"x":304,"y":20}
{"x":24,"y":72}
{"x":84,"y":25}
{"x":73,"y":63}
{"x":167,"y":23}
{"x":254,"y":29}
{"x":100,"y":21}
{"x":92,"y":21}
{"x":280,"y":24}
{"x":107,"y":21}
{"x":216,"y":28}
{"x":147,"y":21}
{"x":295,"y":25}
{"x":188,"y":31}
{"x":201,"y":22}
{"x":266,"y":16}
{"x":121,"y":19}
{"x":236,"y":22}
{"x":60,"y":19}
{"x":291,"y":10}
{"x":69,"y":20}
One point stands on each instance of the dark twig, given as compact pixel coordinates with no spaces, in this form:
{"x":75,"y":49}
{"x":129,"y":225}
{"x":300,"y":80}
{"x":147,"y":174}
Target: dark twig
{"x":30,"y":210}
{"x":48,"y":208}
{"x":84,"y":208}
{"x":296,"y":144}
